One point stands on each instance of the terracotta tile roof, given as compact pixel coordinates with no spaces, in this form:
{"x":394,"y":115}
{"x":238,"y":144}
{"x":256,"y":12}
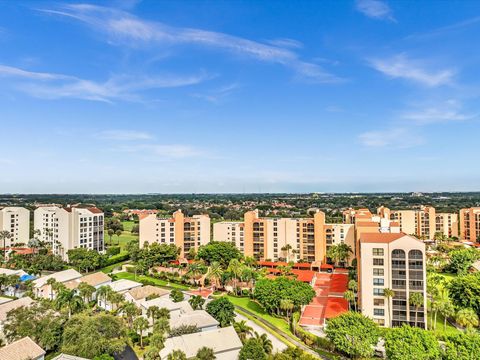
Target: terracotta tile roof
{"x":23,"y":349}
{"x":394,"y":223}
{"x":380,"y":237}
{"x":11,"y":305}
{"x":367,"y":223}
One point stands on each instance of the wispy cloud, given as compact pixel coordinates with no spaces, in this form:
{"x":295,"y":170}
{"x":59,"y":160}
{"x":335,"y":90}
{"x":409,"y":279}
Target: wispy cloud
{"x":119,"y":87}
{"x":164,"y":151}
{"x":448,"y":111}
{"x":402,"y":67}
{"x":375,"y":9}
{"x":125,"y":28}
{"x":445,"y":29}
{"x":125,"y":135}
{"x":216,"y":95}
{"x":393,"y":137}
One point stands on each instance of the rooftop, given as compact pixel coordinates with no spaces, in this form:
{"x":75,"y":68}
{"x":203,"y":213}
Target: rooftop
{"x":61,"y":276}
{"x":68,"y":357}
{"x":199,"y":318}
{"x":145,"y":291}
{"x":381,"y":237}
{"x":220,"y":340}
{"x":94,"y":279}
{"x":124,"y":285}
{"x":23,"y":349}
{"x":14,"y":304}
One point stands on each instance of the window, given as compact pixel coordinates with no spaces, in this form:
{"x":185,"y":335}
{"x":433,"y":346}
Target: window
{"x":378,"y":272}
{"x":378,"y":291}
{"x":378,"y":302}
{"x":378,"y":262}
{"x":378,"y":282}
{"x":379,"y":312}
{"x":377,"y":252}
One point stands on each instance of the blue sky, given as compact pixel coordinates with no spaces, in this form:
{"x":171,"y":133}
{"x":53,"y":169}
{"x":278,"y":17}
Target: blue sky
{"x":239,"y":96}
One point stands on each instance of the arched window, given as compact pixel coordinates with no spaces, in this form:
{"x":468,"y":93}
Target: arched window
{"x":415,"y":255}
{"x":398,"y":254}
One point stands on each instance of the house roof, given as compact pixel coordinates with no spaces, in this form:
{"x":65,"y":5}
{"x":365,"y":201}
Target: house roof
{"x":381,"y":237}
{"x":146,"y":291}
{"x":366,"y":223}
{"x":23,"y":349}
{"x":163,"y":302}
{"x":4,"y":271}
{"x":123,"y":285}
{"x":94,"y":279}
{"x":68,"y":357}
{"x":61,"y":276}
{"x":4,"y":300}
{"x":219,"y":340}
{"x":11,"y":305}
{"x":199,"y":318}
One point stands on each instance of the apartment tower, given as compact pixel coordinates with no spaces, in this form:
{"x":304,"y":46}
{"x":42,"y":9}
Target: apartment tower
{"x":15,"y":220}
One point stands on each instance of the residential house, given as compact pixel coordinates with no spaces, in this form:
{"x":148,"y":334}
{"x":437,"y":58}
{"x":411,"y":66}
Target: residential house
{"x":96,"y":280}
{"x":23,"y":349}
{"x":224,"y":342}
{"x":42,"y":289}
{"x":199,"y":318}
{"x":121,"y":287}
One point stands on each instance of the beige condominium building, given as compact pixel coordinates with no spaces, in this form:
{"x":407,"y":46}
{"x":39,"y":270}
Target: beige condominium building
{"x":286,"y":238}
{"x":184,"y":232}
{"x":15,"y":220}
{"x":70,"y":227}
{"x":423,"y":222}
{"x":395,"y":261}
{"x":470,"y":224}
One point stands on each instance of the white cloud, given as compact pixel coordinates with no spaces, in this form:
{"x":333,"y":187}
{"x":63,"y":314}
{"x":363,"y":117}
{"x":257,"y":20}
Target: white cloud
{"x":400,"y":66}
{"x":119,"y":87}
{"x":395,"y":138}
{"x":450,"y":110}
{"x":123,"y":135}
{"x":123,"y":27}
{"x":375,"y":9}
{"x":216,"y":95}
{"x":164,"y":151}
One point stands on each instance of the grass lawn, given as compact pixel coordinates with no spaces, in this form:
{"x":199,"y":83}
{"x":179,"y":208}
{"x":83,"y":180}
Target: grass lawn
{"x":109,"y":269}
{"x":451,"y":330}
{"x":158,"y":282}
{"x":126,"y":236}
{"x":448,"y":276}
{"x":254,"y":307}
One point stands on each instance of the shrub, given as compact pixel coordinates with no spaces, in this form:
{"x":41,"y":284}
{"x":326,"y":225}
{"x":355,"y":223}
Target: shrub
{"x":113,"y":250}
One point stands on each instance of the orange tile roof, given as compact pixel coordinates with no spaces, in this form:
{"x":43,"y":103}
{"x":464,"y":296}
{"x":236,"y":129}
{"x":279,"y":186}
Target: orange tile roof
{"x":366,"y":223}
{"x":380,"y":237}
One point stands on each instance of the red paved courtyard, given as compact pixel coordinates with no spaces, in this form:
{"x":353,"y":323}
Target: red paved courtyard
{"x":329,"y":301}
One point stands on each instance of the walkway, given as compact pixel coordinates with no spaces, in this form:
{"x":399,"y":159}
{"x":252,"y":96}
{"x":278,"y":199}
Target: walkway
{"x":328,"y":302}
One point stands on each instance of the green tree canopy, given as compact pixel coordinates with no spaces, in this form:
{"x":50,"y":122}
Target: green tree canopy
{"x":219,"y":251}
{"x":465,"y":291}
{"x":270,"y":293}
{"x":252,"y":350}
{"x":461,"y":346}
{"x":406,"y":342}
{"x":462,"y":259}
{"x":353,"y":334}
{"x":222,"y":310}
{"x":93,"y":335}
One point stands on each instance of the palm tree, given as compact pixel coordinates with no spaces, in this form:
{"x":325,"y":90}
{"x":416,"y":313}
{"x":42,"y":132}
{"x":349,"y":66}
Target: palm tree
{"x":467,"y":318}
{"x":70,"y":300}
{"x":286,"y":249}
{"x":388,"y":294}
{"x":416,"y":299}
{"x":350,"y":297}
{"x":154,"y":313}
{"x":353,"y":286}
{"x":287,"y":305}
{"x":194,"y":270}
{"x":196,"y":302}
{"x":103,"y":293}
{"x":205,"y":353}
{"x":115,"y":299}
{"x":157,"y":340}
{"x":140,"y":324}
{"x":447,"y":310}
{"x":4,"y":235}
{"x":111,"y":232}
{"x":118,"y":233}
{"x":215,"y":273}
{"x":235,"y":267}
{"x":86,"y":291}
{"x":51,"y":282}
{"x":242,"y":329}
{"x":162,"y":325}
{"x":265,"y":342}
{"x":177,"y":355}
{"x":130,"y":311}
